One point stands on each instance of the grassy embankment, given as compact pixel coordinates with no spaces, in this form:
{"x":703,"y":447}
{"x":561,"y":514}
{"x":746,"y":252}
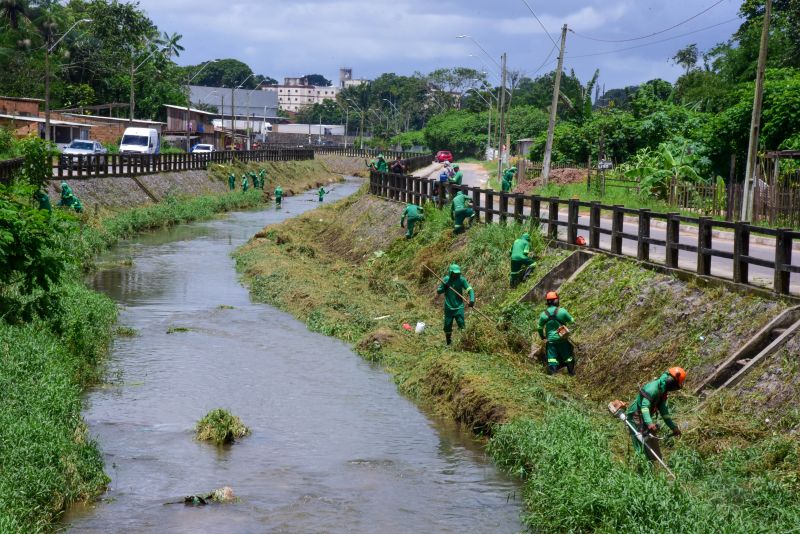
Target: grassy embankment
{"x":47,"y":459}
{"x":342,"y":266}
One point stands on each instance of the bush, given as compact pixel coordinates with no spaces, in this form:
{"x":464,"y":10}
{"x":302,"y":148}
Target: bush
{"x":221,"y":427}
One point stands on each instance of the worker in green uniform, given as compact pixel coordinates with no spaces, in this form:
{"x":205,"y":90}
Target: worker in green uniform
{"x":278,"y":196}
{"x":262,"y":176}
{"x":245,"y":183}
{"x":650,"y":402}
{"x":457,"y":176}
{"x":231,"y":181}
{"x":521,"y":261}
{"x":76,"y":205}
{"x":253,"y":178}
{"x":322,"y":193}
{"x":379,"y":164}
{"x":508,"y":179}
{"x":560,"y":352}
{"x":454,"y":286}
{"x":67,"y":197}
{"x":43,"y":200}
{"x":460,"y":211}
{"x":411,"y":215}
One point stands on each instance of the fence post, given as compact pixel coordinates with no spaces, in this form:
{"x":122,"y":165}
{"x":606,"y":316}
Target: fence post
{"x":617,"y":222}
{"x":476,"y":203}
{"x":783,"y":258}
{"x":489,"y":205}
{"x":572,"y":220}
{"x":704,"y":244}
{"x":643,"y":249}
{"x":503,"y":207}
{"x":552,"y":219}
{"x":673,"y":238}
{"x":519,"y":204}
{"x":594,"y":225}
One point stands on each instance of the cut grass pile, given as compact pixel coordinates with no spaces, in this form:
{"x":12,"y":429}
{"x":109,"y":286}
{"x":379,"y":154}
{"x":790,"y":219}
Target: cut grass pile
{"x":220,"y":427}
{"x":344,"y":267}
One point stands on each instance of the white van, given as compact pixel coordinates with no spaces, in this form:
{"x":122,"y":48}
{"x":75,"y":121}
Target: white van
{"x":140,"y":141}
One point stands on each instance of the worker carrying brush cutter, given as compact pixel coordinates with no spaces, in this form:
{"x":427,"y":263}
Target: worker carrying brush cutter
{"x":553,"y":328}
{"x":454,"y":286}
{"x":521,"y":262}
{"x":411,"y":216}
{"x":650,"y":402}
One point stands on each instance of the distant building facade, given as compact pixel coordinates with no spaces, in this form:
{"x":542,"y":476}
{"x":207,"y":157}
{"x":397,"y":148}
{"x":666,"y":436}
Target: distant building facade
{"x":297,"y":93}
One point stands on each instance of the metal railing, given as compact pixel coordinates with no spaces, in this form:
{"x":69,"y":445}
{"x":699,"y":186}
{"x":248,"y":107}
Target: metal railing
{"x":490,"y":205}
{"x":110,"y":165}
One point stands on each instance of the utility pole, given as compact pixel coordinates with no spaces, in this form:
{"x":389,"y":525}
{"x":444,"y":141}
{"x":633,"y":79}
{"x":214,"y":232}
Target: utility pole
{"x":233,"y":118}
{"x":133,"y":73}
{"x":222,"y":119}
{"x":755,"y":120}
{"x":47,"y":89}
{"x":548,"y":150}
{"x":502,"y":129}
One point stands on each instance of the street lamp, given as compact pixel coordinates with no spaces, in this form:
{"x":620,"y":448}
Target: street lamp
{"x":479,"y":46}
{"x":397,"y":111}
{"x":249,"y":114}
{"x":47,"y":51}
{"x":361,"y":128}
{"x":233,"y":108}
{"x":489,"y":128}
{"x":189,"y":102}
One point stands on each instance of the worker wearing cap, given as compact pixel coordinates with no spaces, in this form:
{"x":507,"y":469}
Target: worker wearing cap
{"x":254,"y":178}
{"x":411,"y":215}
{"x":560,"y":352}
{"x":245,"y":183}
{"x":231,"y":181}
{"x":457,"y":177}
{"x":379,"y":164}
{"x":460,"y":211}
{"x":508,"y":179}
{"x":454,"y":286}
{"x":521,"y":262}
{"x":278,"y":196}
{"x":43,"y":200}
{"x":650,"y":402}
{"x":262,"y":175}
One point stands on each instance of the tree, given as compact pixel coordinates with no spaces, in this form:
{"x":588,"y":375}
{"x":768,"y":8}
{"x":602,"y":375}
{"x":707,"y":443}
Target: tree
{"x":224,"y":73}
{"x":171,"y":45}
{"x":317,"y":79}
{"x":687,"y":57}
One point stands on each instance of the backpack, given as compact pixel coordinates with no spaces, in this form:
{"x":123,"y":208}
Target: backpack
{"x":443,"y":177}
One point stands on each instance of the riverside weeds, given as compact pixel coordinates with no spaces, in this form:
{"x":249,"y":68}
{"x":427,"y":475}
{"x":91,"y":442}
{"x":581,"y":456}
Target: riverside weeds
{"x":734,"y":474}
{"x":221,"y":427}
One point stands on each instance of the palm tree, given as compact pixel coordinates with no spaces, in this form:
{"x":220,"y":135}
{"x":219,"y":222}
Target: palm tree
{"x":12,"y":11}
{"x":171,"y":44}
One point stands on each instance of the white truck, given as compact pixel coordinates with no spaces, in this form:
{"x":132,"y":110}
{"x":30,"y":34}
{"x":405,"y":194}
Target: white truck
{"x":140,"y":141}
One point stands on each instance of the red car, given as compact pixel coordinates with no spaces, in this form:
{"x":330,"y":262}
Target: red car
{"x":443,"y":155}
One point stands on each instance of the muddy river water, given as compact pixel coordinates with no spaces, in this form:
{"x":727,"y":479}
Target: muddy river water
{"x":334,"y":447}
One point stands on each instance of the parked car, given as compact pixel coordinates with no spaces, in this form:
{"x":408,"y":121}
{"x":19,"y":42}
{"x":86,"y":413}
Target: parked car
{"x":443,"y":155}
{"x":92,"y":152}
{"x":202,"y":148}
{"x":140,"y":141}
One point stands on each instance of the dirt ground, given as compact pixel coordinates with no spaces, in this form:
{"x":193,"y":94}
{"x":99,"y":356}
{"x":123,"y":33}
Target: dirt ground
{"x":557,"y":176}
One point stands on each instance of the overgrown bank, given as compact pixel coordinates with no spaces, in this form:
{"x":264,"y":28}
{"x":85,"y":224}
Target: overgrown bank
{"x":55,"y":334}
{"x":344,"y":267}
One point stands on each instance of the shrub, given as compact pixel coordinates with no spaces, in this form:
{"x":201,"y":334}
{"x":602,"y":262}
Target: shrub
{"x":220,"y":426}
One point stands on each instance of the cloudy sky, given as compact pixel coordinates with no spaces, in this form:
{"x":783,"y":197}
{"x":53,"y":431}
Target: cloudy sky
{"x":294,"y":37}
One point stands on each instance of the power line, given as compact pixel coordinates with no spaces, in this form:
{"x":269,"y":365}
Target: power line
{"x":706,"y":10}
{"x":656,"y":42}
{"x":546,"y":61}
{"x":540,"y":22}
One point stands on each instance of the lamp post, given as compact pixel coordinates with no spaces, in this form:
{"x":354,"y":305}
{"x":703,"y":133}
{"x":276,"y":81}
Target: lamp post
{"x":133,"y":74}
{"x":189,"y":102}
{"x":396,"y":111}
{"x":47,"y":50}
{"x":233,"y":109}
{"x":361,"y":128}
{"x":489,"y":128}
{"x":250,"y":114}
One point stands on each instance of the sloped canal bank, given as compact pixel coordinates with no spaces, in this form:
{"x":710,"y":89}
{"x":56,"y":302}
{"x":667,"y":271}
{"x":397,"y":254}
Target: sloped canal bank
{"x":334,"y":447}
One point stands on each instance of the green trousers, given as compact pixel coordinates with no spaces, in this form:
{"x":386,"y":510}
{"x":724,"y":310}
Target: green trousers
{"x":460,"y":217}
{"x":450,"y":315}
{"x":518,"y":268}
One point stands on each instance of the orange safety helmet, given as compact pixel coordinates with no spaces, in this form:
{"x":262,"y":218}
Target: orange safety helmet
{"x":678,"y":374}
{"x":551,"y":295}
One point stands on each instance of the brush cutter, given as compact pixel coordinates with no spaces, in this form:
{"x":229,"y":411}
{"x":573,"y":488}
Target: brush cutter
{"x":617,"y":409}
{"x":466,"y":301}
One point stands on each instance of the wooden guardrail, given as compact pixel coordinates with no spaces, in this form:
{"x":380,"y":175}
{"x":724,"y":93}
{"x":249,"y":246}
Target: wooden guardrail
{"x":490,"y":205}
{"x":110,"y":165}
{"x":9,"y":168}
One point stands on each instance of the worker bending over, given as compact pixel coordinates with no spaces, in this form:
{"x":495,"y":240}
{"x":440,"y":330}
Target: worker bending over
{"x":411,"y":215}
{"x":521,"y":261}
{"x":460,"y":211}
{"x":651,"y":402}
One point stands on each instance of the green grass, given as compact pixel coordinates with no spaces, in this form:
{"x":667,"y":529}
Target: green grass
{"x":554,"y":432}
{"x":220,"y":427}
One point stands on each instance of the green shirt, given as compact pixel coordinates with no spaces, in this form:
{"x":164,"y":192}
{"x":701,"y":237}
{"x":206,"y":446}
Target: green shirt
{"x":278,"y":192}
{"x":457,"y":178}
{"x":657,"y":391}
{"x":520,"y":249}
{"x":548,"y":327}
{"x":380,"y":165}
{"x":460,"y":202}
{"x":412,"y":212}
{"x":452,"y":301}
